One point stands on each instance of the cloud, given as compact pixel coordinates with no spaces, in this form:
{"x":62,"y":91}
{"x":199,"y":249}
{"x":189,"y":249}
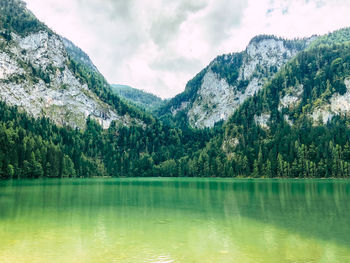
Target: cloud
{"x":175,"y":64}
{"x":166,"y":25}
{"x":222,"y":17}
{"x":158,"y":45}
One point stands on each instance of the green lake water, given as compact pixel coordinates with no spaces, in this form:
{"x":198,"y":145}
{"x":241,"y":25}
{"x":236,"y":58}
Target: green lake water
{"x":174,"y":220}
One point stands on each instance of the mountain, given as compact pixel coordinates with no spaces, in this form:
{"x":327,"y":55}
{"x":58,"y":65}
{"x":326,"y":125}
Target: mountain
{"x":140,"y":98}
{"x":78,"y":55}
{"x":219,"y":89}
{"x":297,"y":125}
{"x":48,"y":87}
{"x":48,"y":76}
{"x":286,"y":104}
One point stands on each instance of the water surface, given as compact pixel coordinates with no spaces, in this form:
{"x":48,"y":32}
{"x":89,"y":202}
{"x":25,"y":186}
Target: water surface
{"x":174,"y":220}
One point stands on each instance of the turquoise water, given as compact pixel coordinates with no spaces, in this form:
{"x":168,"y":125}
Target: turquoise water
{"x":175,"y":220}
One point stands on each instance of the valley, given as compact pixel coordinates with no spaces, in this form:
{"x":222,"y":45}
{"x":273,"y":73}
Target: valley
{"x":277,"y":109}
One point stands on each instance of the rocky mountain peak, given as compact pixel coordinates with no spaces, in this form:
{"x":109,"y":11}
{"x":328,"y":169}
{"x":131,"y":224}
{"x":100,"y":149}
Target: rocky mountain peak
{"x":230,"y":79}
{"x":35,"y":76}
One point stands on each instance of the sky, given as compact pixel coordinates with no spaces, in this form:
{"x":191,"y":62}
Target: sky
{"x":159,"y":45}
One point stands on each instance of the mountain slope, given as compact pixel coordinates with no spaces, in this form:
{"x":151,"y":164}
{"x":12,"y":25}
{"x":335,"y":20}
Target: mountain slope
{"x":42,"y":78}
{"x":39,"y":76}
{"x":293,"y":123}
{"x":78,"y":55}
{"x":218,"y":90}
{"x":296,"y":126}
{"x":140,"y":98}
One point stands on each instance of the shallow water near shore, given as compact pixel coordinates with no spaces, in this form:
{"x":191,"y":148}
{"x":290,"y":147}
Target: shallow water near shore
{"x":174,"y":220}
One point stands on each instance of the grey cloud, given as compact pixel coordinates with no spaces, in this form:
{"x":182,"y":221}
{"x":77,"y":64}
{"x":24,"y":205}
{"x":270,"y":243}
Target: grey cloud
{"x":114,"y":9}
{"x":285,"y":10}
{"x":192,"y":6}
{"x":166,"y":26}
{"x":224,"y":16}
{"x":112,"y":23}
{"x":121,"y":35}
{"x":320,"y":3}
{"x":176,"y":64}
{"x":269,"y":11}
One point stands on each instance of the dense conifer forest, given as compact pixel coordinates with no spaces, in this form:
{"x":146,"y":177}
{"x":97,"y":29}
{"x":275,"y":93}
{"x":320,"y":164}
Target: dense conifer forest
{"x":142,"y":99}
{"x":296,"y":146}
{"x":31,"y":148}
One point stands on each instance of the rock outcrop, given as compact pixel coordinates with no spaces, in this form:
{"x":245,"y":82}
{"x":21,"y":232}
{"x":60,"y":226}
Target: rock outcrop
{"x":35,"y":76}
{"x":219,"y":94}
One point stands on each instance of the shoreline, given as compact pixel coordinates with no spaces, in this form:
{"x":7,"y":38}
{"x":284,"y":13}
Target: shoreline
{"x":174,"y":178}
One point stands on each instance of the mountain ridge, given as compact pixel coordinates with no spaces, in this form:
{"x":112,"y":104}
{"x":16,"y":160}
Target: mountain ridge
{"x":216,"y":92}
{"x":296,"y":126}
{"x":45,"y":78}
{"x":140,"y":98}
{"x":285,"y":106}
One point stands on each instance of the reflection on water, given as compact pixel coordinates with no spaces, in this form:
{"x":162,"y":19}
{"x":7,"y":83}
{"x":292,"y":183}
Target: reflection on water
{"x":175,"y":220}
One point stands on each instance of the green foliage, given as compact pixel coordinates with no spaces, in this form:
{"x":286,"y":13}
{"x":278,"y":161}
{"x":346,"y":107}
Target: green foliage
{"x":301,"y":150}
{"x":101,"y":88}
{"x":321,"y":71}
{"x":140,"y":98}
{"x":78,"y":55}
{"x":228,"y":66}
{"x":14,"y":17}
{"x":32,"y":148}
{"x":341,"y":36}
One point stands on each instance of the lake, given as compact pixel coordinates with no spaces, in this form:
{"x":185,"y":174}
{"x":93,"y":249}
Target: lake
{"x":174,"y":220}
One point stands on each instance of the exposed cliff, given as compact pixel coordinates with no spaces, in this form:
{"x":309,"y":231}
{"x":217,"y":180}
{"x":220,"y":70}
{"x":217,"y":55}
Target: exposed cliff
{"x":230,"y":79}
{"x":37,"y":75}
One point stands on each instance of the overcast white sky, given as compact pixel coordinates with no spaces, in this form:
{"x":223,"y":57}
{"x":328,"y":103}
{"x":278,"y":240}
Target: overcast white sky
{"x":158,"y":45}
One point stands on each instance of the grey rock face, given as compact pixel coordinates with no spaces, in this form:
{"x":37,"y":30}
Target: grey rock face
{"x":61,"y":96}
{"x":216,"y":100}
{"x":338,"y":104}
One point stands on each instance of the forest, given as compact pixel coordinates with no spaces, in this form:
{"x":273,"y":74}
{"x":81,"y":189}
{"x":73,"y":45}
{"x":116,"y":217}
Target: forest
{"x":296,"y":146}
{"x":33,"y":148}
{"x":142,"y":99}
